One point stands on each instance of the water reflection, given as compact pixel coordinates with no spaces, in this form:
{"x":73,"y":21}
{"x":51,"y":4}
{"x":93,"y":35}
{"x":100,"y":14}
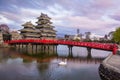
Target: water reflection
{"x":15,"y":69}
{"x":16,"y":66}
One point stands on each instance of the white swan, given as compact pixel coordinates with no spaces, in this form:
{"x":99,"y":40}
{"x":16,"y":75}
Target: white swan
{"x":62,"y":63}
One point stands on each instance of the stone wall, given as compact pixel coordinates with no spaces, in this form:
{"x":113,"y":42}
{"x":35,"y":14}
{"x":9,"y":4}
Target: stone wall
{"x":108,"y":74}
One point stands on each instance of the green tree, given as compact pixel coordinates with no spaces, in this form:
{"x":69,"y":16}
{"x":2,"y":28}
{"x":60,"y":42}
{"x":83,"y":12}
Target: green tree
{"x":116,"y":35}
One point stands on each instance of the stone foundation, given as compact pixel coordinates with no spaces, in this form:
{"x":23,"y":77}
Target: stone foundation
{"x":108,"y":74}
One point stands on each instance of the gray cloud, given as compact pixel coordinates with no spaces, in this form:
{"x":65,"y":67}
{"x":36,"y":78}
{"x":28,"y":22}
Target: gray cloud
{"x":88,"y":15}
{"x":115,"y":17}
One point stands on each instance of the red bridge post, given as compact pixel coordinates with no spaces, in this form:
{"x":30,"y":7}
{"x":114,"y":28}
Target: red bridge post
{"x":115,"y":48}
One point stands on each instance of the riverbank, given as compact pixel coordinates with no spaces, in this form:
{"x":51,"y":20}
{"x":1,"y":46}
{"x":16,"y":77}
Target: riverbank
{"x":4,"y":45}
{"x":110,"y":68}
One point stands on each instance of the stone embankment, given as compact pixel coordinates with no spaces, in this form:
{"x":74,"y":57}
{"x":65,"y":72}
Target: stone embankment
{"x":110,"y":68}
{"x":4,"y":45}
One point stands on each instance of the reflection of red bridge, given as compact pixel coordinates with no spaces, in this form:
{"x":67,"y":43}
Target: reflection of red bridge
{"x":95,"y":45}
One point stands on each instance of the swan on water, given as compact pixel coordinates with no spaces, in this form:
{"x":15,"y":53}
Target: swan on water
{"x":63,"y":62}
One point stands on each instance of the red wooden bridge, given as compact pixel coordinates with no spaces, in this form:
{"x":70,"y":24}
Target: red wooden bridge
{"x":94,"y":45}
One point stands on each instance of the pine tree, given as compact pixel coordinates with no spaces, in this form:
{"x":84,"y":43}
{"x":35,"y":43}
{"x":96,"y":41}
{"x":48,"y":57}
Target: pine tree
{"x":116,"y":35}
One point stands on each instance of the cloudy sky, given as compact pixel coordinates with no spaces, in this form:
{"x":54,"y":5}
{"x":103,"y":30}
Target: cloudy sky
{"x":96,"y":16}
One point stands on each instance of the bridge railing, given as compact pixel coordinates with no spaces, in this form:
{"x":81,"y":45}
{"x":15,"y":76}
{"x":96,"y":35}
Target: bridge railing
{"x":104,"y":46}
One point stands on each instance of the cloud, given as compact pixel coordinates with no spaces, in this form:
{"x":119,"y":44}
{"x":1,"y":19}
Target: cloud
{"x":88,"y":15}
{"x":103,"y":4}
{"x":4,"y":20}
{"x":86,"y":23}
{"x":26,"y":14}
{"x":115,"y":15}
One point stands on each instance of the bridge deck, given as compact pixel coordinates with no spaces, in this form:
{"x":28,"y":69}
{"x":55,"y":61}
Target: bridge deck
{"x":95,"y":45}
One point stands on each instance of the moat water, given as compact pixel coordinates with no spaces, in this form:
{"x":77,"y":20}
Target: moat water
{"x":17,"y":66}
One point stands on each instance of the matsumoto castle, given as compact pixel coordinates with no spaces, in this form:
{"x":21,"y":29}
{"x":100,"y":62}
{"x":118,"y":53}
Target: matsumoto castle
{"x":42,"y":30}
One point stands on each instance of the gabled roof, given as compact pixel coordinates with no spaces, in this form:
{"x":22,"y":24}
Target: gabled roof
{"x":28,"y":24}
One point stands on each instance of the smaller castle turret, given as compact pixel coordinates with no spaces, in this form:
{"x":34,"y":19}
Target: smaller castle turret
{"x":29,"y":31}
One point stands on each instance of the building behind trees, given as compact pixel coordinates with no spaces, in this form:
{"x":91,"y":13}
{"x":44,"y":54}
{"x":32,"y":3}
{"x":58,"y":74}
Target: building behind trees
{"x":87,"y":36}
{"x":110,"y":35}
{"x":15,"y":35}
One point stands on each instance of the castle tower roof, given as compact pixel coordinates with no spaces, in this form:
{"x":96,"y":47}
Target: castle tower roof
{"x":45,"y":27}
{"x":29,"y":31}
